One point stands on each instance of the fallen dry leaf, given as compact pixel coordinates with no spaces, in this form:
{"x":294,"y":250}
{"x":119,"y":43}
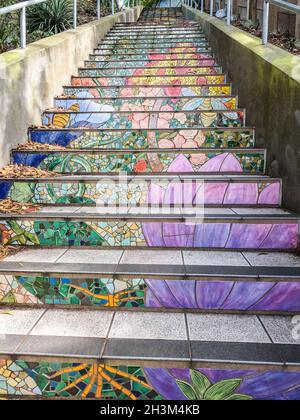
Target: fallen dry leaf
{"x":10,"y":206}
{"x":23,"y":171}
{"x":5,"y":251}
{"x":33,"y":145}
{"x":283,"y":41}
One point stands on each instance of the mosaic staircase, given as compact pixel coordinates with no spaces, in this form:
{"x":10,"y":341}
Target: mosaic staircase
{"x":161,"y":264}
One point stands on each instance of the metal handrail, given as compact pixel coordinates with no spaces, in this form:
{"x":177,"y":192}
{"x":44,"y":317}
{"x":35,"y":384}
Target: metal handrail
{"x":279,"y":3}
{"x":294,"y":8}
{"x":24,"y":4}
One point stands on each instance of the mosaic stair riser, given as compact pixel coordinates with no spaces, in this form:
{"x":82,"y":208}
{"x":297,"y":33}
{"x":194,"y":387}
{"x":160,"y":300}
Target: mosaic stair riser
{"x":131,"y":40}
{"x":145,"y":162}
{"x":144,"y":139}
{"x":74,"y":380}
{"x":145,"y":27}
{"x":249,"y":297}
{"x":152,"y":57}
{"x":132,"y":44}
{"x":107,"y":118}
{"x":149,"y":71}
{"x":152,"y":51}
{"x":143,"y":192}
{"x":155,"y":29}
{"x":121,"y":382}
{"x":155,"y":35}
{"x":87,"y":102}
{"x":199,"y":80}
{"x":117,"y":31}
{"x":257,"y":235}
{"x":148,"y":91}
{"x":147,"y":63}
{"x":145,"y":44}
{"x":146,"y":49}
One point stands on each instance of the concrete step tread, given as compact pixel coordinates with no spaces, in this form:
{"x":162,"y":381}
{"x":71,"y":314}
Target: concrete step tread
{"x":150,"y":337}
{"x":156,"y":264}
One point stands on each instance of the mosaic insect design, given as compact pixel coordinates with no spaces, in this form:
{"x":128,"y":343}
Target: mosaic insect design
{"x":62,"y":120}
{"x":87,"y":377}
{"x":107,"y":292}
{"x":19,"y":378}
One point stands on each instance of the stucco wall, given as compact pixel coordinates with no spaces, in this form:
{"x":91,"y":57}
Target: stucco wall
{"x":30,"y":78}
{"x":267,"y":80}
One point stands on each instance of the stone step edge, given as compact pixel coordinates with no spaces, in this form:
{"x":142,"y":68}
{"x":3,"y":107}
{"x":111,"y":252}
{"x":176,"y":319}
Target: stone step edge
{"x":149,"y":177}
{"x":162,"y":218}
{"x":89,"y":129}
{"x":145,"y":310}
{"x":125,"y":271}
{"x":151,"y":352}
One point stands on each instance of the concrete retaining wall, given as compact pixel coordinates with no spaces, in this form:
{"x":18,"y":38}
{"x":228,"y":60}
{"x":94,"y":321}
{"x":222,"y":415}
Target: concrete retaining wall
{"x":30,"y":78}
{"x":267,"y":80}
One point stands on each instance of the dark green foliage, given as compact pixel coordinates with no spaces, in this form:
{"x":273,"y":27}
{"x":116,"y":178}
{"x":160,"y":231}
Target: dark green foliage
{"x":51,"y":17}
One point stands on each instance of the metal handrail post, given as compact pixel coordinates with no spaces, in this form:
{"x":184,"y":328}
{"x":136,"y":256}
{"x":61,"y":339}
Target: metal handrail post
{"x":211,"y":7}
{"x":202,"y":6}
{"x":74,"y":14}
{"x":98,"y":9}
{"x":23,"y":28}
{"x":112,"y":7}
{"x":266,"y":13}
{"x":228,"y":12}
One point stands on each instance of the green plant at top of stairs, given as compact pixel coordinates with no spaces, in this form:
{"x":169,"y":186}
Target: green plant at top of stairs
{"x":51,"y":17}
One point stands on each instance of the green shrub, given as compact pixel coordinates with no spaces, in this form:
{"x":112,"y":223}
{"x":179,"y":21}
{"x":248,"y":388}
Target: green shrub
{"x":87,"y":6}
{"x":8,"y":28}
{"x":51,"y":17}
{"x":148,"y":3}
